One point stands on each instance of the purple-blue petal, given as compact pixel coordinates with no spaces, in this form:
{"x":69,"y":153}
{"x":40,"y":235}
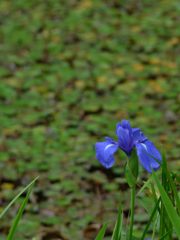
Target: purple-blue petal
{"x":138,"y":136}
{"x":110,"y":140}
{"x":105,"y":152}
{"x":125,"y":139}
{"x":149,"y":157}
{"x":126,"y":124}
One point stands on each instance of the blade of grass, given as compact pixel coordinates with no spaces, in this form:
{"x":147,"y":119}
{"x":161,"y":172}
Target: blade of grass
{"x":19,"y":215}
{"x":101,"y":233}
{"x":118,"y":227}
{"x":155,"y":224}
{"x":173,"y":216}
{"x":166,"y":222}
{"x":162,"y":209}
{"x":174,"y":190}
{"x":132,"y":206}
{"x":145,"y":185}
{"x":150,"y":219}
{"x":17,"y":196}
{"x":165,"y":235}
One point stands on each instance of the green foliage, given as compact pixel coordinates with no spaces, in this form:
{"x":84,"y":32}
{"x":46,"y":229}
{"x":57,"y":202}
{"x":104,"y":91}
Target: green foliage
{"x":101,"y":233}
{"x":132,"y":169}
{"x":165,"y":209}
{"x":168,"y":205}
{"x":67,"y":70}
{"x":19,"y":215}
{"x":151,"y":218}
{"x":29,"y":186}
{"x":118,"y":227}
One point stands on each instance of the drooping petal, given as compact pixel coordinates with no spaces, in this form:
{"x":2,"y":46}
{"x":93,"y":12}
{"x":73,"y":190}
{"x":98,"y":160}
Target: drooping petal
{"x":105,"y":151}
{"x":110,"y":140}
{"x":149,"y":157}
{"x":125,"y":139}
{"x":138,"y":135}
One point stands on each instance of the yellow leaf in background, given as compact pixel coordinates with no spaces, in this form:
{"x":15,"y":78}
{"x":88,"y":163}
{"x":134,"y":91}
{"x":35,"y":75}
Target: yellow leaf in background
{"x":4,"y":5}
{"x":136,"y":29}
{"x":7,"y":186}
{"x":80,"y":84}
{"x":155,"y":61}
{"x":169,"y":64}
{"x":119,"y":72}
{"x":13,"y":82}
{"x":89,"y":36}
{"x":163,"y":138}
{"x":174,"y":41}
{"x":46,"y":33}
{"x":56,"y":39}
{"x":85,"y":4}
{"x":101,"y":79}
{"x":126,"y":88}
{"x":138,"y":67}
{"x":40,"y":89}
{"x":121,"y":114}
{"x":156,"y":86}
{"x":12,"y":131}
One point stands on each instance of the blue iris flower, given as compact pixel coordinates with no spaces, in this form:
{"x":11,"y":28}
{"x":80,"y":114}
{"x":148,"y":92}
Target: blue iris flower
{"x":128,"y":139}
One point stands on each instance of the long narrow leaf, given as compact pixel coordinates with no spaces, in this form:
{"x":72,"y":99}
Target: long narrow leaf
{"x":118,"y":227}
{"x":19,"y":215}
{"x":145,"y":185}
{"x":174,"y":189}
{"x":150,"y":219}
{"x":165,"y":235}
{"x":173,"y":216}
{"x":17,"y":196}
{"x":101,"y":233}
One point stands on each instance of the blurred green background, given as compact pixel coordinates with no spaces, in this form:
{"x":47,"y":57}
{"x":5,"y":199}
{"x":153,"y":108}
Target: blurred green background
{"x":69,"y":71}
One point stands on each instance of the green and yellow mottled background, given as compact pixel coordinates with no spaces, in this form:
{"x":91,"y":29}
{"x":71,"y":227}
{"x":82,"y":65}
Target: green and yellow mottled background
{"x":69,"y":71}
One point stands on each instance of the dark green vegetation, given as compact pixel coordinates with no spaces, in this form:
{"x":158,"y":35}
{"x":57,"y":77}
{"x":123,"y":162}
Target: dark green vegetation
{"x":69,"y":70}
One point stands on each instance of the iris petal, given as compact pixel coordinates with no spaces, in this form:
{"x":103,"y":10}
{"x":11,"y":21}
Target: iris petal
{"x":125,"y":139}
{"x":105,"y":152}
{"x":126,"y":124}
{"x":149,"y":157}
{"x":138,"y":136}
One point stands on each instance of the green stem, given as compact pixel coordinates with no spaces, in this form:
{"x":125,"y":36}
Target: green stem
{"x":132,"y":212}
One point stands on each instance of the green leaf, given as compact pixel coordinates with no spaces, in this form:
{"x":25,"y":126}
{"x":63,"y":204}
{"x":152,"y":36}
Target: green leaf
{"x":118,"y":227}
{"x":101,"y":233}
{"x":19,"y":215}
{"x":175,"y":219}
{"x":17,"y":196}
{"x":150,"y":219}
{"x":145,"y":185}
{"x":174,"y":190}
{"x":132,"y":169}
{"x":165,"y":222}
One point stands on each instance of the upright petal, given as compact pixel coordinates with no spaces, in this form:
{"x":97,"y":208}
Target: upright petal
{"x":105,"y":151}
{"x":149,"y":157}
{"x":124,"y":124}
{"x":125,"y":139}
